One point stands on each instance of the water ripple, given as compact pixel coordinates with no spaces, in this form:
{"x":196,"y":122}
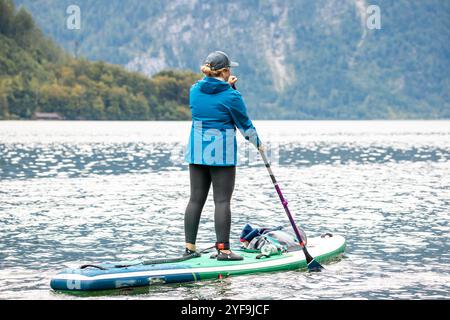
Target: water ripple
{"x":65,"y":203}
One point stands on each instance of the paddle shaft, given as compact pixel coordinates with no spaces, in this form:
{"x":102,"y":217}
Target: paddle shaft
{"x":286,"y":208}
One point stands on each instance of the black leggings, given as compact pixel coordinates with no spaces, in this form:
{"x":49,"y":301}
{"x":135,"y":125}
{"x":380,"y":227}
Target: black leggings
{"x":222,"y":179}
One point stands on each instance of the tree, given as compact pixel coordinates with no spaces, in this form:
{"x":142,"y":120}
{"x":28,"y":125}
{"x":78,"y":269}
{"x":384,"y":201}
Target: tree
{"x":4,"y":107}
{"x":23,"y":22}
{"x":6,"y":16}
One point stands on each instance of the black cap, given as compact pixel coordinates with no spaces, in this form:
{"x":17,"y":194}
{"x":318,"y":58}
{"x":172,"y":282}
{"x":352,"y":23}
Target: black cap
{"x":218,"y":60}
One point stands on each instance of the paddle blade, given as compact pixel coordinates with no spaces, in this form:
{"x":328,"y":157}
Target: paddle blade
{"x":314,"y":266}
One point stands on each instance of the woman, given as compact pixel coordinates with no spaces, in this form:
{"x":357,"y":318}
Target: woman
{"x":217,"y":109}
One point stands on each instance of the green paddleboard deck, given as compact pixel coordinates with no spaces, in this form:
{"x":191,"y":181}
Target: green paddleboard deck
{"x":323,"y":249}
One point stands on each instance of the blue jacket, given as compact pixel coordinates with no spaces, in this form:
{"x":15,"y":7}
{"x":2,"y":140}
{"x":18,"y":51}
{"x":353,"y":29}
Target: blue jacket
{"x":217,"y":109}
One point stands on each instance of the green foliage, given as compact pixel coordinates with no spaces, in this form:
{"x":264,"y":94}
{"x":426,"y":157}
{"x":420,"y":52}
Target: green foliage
{"x":35,"y":75}
{"x":333,"y":67}
{"x":6,"y":16}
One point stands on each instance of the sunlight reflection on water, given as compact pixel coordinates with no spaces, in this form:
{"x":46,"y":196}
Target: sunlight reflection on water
{"x":76,"y":192}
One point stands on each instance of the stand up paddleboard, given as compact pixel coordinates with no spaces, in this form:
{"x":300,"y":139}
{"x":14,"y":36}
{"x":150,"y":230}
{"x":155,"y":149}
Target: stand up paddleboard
{"x":135,"y":274}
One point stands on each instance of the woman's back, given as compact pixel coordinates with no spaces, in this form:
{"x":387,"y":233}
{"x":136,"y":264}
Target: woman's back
{"x":210,"y":101}
{"x":217,"y":109}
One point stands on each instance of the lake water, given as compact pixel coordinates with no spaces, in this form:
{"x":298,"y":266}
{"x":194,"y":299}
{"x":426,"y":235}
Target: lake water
{"x":77,"y":192}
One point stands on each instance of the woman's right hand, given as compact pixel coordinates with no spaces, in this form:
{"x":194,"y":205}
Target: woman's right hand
{"x":261,"y":148}
{"x":232,"y":80}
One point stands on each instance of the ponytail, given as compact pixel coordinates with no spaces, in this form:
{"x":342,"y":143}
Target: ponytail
{"x":207,"y":71}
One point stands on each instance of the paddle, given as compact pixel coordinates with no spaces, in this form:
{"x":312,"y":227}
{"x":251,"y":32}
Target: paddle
{"x":313,"y":265}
